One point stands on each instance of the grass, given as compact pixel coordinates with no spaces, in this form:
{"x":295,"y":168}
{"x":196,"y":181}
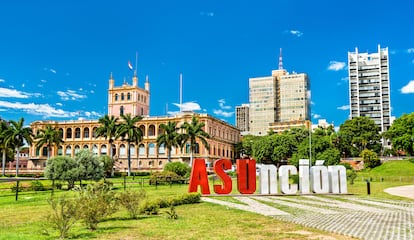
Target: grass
{"x":397,"y":168}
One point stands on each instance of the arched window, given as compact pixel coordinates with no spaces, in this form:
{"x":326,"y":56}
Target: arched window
{"x":69,"y":133}
{"x":116,"y":97}
{"x":161,"y":149}
{"x":196,"y":148}
{"x":160,"y":163}
{"x":86,"y":132}
{"x":121,"y":110}
{"x":77,"y":133}
{"x":95,"y":149}
{"x":145,"y":99}
{"x":139,"y":97}
{"x":68,"y":151}
{"x":122,"y":97}
{"x":187,"y":148}
{"x":151,"y":149}
{"x":77,"y":149}
{"x":142,"y":111}
{"x":103,"y":150}
{"x":129,"y":96}
{"x":85,"y":147}
{"x":132,"y":150}
{"x":94,"y":132}
{"x":141,"y":149}
{"x":61,"y":133}
{"x":140,"y":163}
{"x":60,"y":150}
{"x":37,"y":152}
{"x":122,"y":150}
{"x":151,"y":130}
{"x":142,"y":127}
{"x":44,"y":151}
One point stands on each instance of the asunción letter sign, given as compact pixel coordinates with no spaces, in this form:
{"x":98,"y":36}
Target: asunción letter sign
{"x":317,"y":179}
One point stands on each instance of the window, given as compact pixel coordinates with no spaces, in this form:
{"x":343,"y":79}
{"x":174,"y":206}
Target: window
{"x":77,"y":133}
{"x":61,"y":133}
{"x":69,"y":133}
{"x":122,"y":97}
{"x":141,"y":149}
{"x":37,"y":151}
{"x":187,"y":148}
{"x":85,"y":147}
{"x":142,"y":127}
{"x":142,"y":111}
{"x":86,"y":132}
{"x":151,"y":130}
{"x":103,"y":150}
{"x":129,"y":96}
{"x":68,"y":151}
{"x":94,"y":132}
{"x":95,"y":149}
{"x":196,"y":148}
{"x":122,"y":150}
{"x":132,"y":149}
{"x":121,"y":110}
{"x":77,"y":149}
{"x":60,"y":151}
{"x":151,"y":149}
{"x":160,"y":163}
{"x":161,"y":149}
{"x":44,"y":151}
{"x":116,"y":97}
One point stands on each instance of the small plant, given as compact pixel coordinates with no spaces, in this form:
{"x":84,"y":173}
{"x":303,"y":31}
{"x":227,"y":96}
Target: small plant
{"x":131,"y":200}
{"x":64,"y":215}
{"x":96,"y":202}
{"x":172,"y":214}
{"x":149,"y":207}
{"x":37,"y":186}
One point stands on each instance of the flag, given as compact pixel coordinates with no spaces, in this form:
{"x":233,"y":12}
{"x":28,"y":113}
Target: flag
{"x":130,"y":65}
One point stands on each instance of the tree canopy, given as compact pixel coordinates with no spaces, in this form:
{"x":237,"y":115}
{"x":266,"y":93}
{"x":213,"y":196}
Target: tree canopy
{"x":401,"y":133}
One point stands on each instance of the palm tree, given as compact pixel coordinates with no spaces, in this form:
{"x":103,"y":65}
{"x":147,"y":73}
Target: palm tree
{"x":169,"y":138}
{"x":17,"y":134}
{"x":3,"y":133}
{"x":49,"y":136}
{"x":193,"y":132}
{"x":108,"y":128}
{"x":131,"y":133}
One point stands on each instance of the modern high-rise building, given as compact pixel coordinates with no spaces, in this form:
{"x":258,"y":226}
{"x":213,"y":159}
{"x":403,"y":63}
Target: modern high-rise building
{"x":369,"y":86}
{"x":242,"y":118}
{"x":279,"y":102}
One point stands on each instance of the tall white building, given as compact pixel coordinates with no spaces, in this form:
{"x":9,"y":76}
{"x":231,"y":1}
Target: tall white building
{"x":242,"y":118}
{"x":369,"y":86}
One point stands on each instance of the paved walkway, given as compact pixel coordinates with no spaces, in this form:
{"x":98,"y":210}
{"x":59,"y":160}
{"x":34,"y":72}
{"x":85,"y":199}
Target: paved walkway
{"x":402,"y":191}
{"x":359,"y":217}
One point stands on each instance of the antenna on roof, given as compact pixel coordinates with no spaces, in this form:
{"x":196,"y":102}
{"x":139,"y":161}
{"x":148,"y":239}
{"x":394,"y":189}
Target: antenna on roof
{"x":280,"y":60}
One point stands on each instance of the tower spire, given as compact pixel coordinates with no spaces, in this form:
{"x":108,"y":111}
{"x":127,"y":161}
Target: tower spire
{"x":280,"y":60}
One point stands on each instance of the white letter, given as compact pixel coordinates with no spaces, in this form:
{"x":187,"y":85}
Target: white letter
{"x":285,"y":186}
{"x":268,"y":179}
{"x":337,"y":179}
{"x":304,"y":176}
{"x":319,"y":179}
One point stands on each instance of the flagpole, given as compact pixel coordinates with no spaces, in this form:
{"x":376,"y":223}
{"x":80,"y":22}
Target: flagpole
{"x":181,"y":91}
{"x":136,"y":63}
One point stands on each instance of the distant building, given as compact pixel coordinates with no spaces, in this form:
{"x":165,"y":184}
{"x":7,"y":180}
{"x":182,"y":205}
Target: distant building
{"x":369,"y":86}
{"x":279,"y":102}
{"x":242,"y":118}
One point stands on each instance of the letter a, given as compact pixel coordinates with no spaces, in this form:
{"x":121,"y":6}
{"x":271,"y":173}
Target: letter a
{"x":199,"y":177}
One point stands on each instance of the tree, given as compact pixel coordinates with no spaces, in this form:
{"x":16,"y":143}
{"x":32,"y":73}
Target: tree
{"x":108,"y":129}
{"x":107,"y":163}
{"x":89,"y":166}
{"x":332,"y":156}
{"x":357,"y":134}
{"x":3,"y":143}
{"x":169,"y":137}
{"x":62,"y":168}
{"x":128,"y":131}
{"x":401,"y":133}
{"x":371,"y":159}
{"x":179,"y":168}
{"x":17,"y":134}
{"x":274,"y":147}
{"x":193,"y":132}
{"x":49,"y":136}
{"x":247,"y":144}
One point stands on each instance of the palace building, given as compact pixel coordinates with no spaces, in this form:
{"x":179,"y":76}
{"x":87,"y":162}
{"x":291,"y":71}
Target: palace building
{"x":80,"y":134}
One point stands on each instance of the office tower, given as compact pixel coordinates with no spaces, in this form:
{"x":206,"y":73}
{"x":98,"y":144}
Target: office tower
{"x":369,"y":86}
{"x":279,"y":102}
{"x":242,"y":117}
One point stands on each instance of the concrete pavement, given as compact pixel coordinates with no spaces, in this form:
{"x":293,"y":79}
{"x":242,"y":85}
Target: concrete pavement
{"x":402,"y":191}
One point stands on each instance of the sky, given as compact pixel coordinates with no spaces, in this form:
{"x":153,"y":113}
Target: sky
{"x":56,"y":56}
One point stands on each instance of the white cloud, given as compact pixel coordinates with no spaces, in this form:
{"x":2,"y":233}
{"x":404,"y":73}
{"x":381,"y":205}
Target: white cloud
{"x":296,"y":33}
{"x":208,"y":14}
{"x":92,"y":114}
{"x":23,"y":85}
{"x":409,"y":88}
{"x":412,"y":61}
{"x":336,"y":66}
{"x":188,"y":106}
{"x":59,"y":104}
{"x":70,"y":95}
{"x":410,"y":50}
{"x":92,"y":91}
{"x":2,"y":80}
{"x":316,"y":116}
{"x":344,"y":107}
{"x":52,"y":70}
{"x":43,"y":81}
{"x":222,"y":104}
{"x":223,"y":113}
{"x":44,"y":110}
{"x":13,"y":93}
{"x":346,"y":79}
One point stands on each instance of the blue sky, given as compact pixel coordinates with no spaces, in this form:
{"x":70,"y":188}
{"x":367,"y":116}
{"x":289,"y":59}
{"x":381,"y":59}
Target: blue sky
{"x":56,"y":56}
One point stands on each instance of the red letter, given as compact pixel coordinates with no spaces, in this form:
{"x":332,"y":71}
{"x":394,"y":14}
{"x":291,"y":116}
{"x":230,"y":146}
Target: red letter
{"x":199,"y":177}
{"x":246,"y":176}
{"x":219,"y":167}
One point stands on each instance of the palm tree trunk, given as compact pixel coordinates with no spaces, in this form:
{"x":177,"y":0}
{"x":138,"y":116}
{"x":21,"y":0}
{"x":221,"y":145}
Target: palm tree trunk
{"x":129,"y":159}
{"x":169,"y":155}
{"x":112,"y":160}
{"x":191,"y":158}
{"x":3,"y":162}
{"x":17,"y":161}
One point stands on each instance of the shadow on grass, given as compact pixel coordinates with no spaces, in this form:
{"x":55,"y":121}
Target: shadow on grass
{"x":139,"y":217}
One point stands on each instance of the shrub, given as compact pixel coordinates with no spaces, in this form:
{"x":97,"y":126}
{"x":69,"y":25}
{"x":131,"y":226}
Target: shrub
{"x":172,"y":214}
{"x":64,"y":215}
{"x":351,"y":175}
{"x":190,"y":198}
{"x":181,"y":169}
{"x":411,"y":160}
{"x":37,"y":186}
{"x":371,"y":159}
{"x":165,"y":178}
{"x":96,"y":202}
{"x":149,"y":207}
{"x":131,"y":201}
